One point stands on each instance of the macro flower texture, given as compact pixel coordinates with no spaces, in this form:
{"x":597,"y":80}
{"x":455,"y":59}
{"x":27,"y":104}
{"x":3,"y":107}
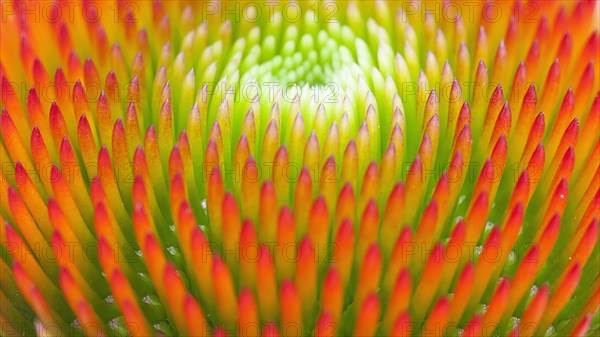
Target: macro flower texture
{"x":299,"y":168}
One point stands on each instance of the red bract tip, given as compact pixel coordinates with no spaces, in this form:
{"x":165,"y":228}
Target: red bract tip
{"x":318,"y":225}
{"x":402,"y":326}
{"x":242,"y":151}
{"x":502,"y":125}
{"x":133,"y":125}
{"x":477,"y":215}
{"x":512,"y":226}
{"x":535,"y":168}
{"x":535,"y":137}
{"x":270,"y":330}
{"x":271,"y":141}
{"x":582,"y":327}
{"x":333,"y":294}
{"x":368,"y":316}
{"x":211,"y":158}
{"x":563,"y":53}
{"x":177,"y":194}
{"x":91,"y":75}
{"x":219,"y":332}
{"x":463,"y":143}
{"x":561,"y":295}
{"x":523,"y":278}
{"x":9,"y":98}
{"x":39,"y":73}
{"x":464,"y":119}
{"x":119,"y":143}
{"x":585,"y":247}
{"x":86,"y":140}
{"x":102,"y":45}
{"x":57,"y":124}
{"x":497,"y":303}
{"x":326,"y":325}
{"x":534,"y":311}
{"x":533,"y":56}
{"x":111,"y":86}
{"x":473,"y":327}
{"x":527,"y":108}
{"x":565,"y":167}
{"x":438,"y":318}
{"x":345,"y":205}
{"x":500,"y":63}
{"x":551,"y":87}
{"x":426,"y":227}
{"x":102,"y":223}
{"x":63,"y":92}
{"x":584,"y":88}
{"x":368,"y":230}
{"x":370,"y":182}
{"x":518,"y":86}
{"x":399,"y":300}
{"x":549,"y":236}
{"x":511,"y":34}
{"x":494,"y":107}
{"x":133,"y":90}
{"x":175,"y":162}
{"x":27,"y":53}
{"x":64,"y":39}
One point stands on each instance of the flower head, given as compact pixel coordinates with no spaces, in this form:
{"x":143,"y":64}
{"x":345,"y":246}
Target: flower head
{"x":317,"y":168}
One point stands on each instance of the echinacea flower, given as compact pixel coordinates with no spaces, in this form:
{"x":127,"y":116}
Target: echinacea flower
{"x":326,"y":168}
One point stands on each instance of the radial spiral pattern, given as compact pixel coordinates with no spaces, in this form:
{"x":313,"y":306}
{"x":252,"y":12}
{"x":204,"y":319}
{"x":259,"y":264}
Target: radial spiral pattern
{"x":326,"y":168}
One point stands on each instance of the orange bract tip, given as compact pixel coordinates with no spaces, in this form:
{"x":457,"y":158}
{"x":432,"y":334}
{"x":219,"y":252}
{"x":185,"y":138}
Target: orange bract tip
{"x":429,"y":281}
{"x":248,"y":315}
{"x":231,"y":220}
{"x":291,"y":306}
{"x":266,"y":284}
{"x":224,"y":291}
{"x":194,"y":316}
{"x":438,"y":318}
{"x":370,"y":272}
{"x":462,"y":292}
{"x":219,"y":332}
{"x":318,"y":225}
{"x":333,"y":294}
{"x":534,"y":311}
{"x":497,"y":303}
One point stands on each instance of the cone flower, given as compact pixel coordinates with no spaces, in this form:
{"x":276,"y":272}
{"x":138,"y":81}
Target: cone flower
{"x":326,"y":168}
